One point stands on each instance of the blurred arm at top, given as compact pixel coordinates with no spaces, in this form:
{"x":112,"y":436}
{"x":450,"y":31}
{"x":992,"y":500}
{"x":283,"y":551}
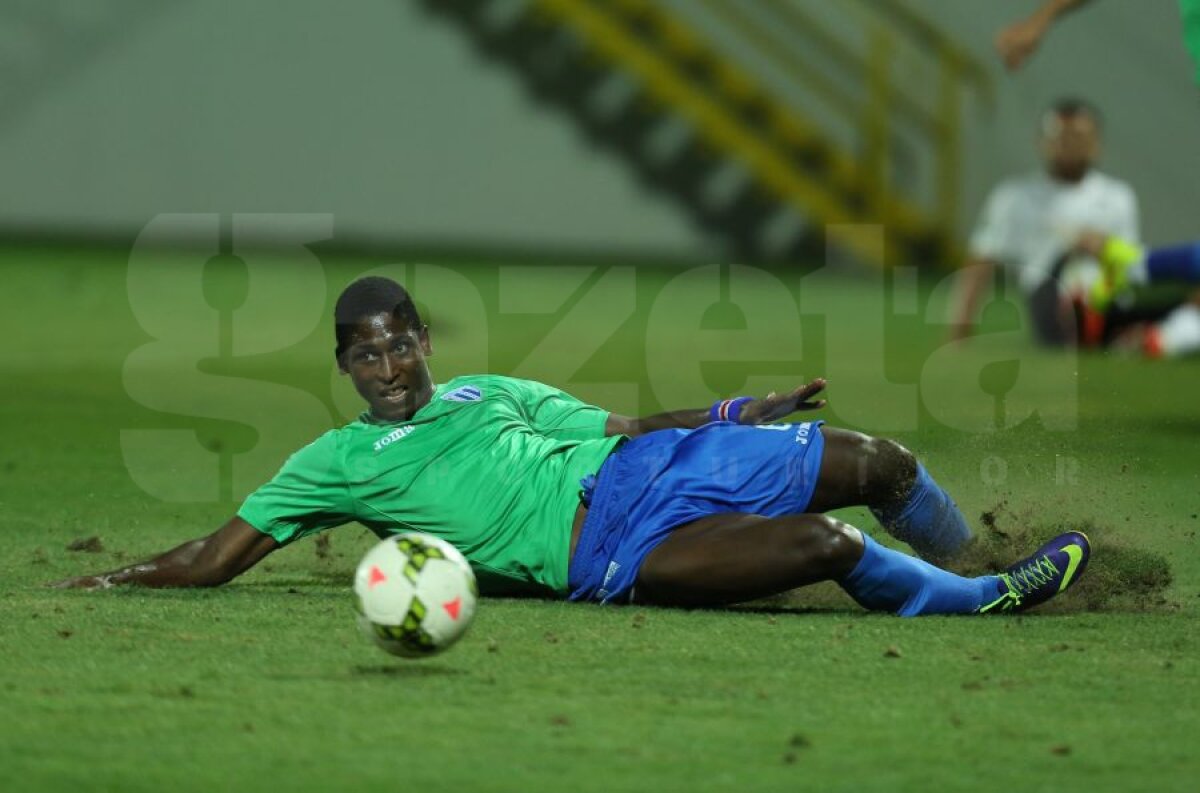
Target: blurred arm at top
{"x":1017,"y":42}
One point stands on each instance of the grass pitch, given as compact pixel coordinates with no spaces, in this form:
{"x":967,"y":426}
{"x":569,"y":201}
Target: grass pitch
{"x":265,"y":684}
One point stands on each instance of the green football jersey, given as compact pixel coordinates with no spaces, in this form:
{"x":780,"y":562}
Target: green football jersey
{"x":1191,"y":30}
{"x":492,"y":465}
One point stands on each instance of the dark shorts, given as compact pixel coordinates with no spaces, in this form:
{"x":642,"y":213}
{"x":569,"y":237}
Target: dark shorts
{"x":659,"y":481}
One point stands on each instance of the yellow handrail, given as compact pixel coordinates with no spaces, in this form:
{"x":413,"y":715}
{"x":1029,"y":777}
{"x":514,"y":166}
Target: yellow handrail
{"x":931,"y":38}
{"x":711,"y":121}
{"x":956,"y":67}
{"x":731,"y":112}
{"x":797,"y":21}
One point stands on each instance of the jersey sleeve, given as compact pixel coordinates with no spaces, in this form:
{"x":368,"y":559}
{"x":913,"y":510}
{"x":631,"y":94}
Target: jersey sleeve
{"x":992,"y":238}
{"x":557,"y":414}
{"x":1129,"y":222}
{"x":308,"y":495}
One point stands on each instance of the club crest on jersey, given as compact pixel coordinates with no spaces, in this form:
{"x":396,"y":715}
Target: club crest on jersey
{"x":466,"y":393}
{"x":392,"y":437}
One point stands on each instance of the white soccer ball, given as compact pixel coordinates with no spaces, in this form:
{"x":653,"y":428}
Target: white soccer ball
{"x":415,"y":595}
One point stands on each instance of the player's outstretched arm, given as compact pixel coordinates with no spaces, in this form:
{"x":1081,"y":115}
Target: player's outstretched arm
{"x":209,"y":561}
{"x":764,"y":410}
{"x":976,"y":278}
{"x":1020,"y":40}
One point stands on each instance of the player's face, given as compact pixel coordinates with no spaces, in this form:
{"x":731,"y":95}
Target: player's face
{"x":386,"y":361}
{"x":1070,"y":145}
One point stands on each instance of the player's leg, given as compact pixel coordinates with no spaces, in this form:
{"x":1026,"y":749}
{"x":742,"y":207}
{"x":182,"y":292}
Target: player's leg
{"x":1052,"y":318}
{"x":732,"y":558}
{"x":1177,"y":335}
{"x":1178,"y":263}
{"x":859,"y":470}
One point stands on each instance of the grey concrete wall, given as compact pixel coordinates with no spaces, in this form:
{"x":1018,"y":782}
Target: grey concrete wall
{"x":385,"y":117}
{"x":373,"y":111}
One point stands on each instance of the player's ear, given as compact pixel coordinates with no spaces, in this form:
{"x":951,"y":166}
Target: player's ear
{"x":423,"y":337}
{"x":341,"y":362}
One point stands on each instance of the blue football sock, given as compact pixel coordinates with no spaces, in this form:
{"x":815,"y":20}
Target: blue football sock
{"x":928,"y":521}
{"x":1180,"y":263}
{"x":887,"y":580}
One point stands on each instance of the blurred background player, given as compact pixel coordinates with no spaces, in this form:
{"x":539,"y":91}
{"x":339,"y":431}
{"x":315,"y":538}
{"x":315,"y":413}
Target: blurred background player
{"x":1017,"y":42}
{"x":1126,"y":263}
{"x":1029,"y":222}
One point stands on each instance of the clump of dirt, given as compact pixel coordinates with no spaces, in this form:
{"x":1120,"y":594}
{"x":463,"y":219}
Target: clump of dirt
{"x":1119,"y":577}
{"x":86,"y":544}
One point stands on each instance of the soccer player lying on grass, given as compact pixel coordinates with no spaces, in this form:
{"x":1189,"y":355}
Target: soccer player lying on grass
{"x":547,"y":495}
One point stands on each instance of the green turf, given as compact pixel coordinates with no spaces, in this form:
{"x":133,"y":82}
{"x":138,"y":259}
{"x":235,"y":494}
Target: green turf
{"x":265,"y":684}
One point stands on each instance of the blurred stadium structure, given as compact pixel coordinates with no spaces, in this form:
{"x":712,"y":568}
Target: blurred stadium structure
{"x":781,"y":121}
{"x":666,"y":130}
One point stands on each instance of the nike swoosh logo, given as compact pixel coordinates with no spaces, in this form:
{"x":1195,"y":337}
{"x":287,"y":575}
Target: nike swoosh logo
{"x":1075,"y":555}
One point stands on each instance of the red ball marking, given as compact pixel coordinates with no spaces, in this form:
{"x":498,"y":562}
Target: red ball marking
{"x":452,"y":608}
{"x":376,"y":576}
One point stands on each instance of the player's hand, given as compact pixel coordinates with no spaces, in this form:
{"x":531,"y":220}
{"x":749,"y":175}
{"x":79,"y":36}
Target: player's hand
{"x":1018,"y":41}
{"x":1092,"y":243}
{"x":774,"y":406}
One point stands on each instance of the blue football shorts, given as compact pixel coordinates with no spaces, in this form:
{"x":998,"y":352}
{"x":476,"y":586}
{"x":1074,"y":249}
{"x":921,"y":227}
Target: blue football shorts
{"x":657,"y":482}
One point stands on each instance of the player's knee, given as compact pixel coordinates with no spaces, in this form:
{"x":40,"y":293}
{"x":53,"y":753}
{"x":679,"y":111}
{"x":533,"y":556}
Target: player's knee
{"x":891,"y":470}
{"x":827,"y":545}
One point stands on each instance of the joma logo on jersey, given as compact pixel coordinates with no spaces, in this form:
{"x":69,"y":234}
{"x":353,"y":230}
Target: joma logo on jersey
{"x":804,"y":433}
{"x":392,"y":437}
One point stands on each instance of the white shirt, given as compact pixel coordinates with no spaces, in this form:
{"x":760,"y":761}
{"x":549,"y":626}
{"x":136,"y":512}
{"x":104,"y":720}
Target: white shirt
{"x":1030,"y":221}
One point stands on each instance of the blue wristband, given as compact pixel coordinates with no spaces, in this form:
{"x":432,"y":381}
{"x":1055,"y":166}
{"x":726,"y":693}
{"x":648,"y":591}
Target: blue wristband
{"x":728,"y":409}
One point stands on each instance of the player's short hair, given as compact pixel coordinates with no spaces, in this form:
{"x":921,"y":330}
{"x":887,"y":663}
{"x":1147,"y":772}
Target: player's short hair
{"x":367,"y":297}
{"x":1070,"y":107}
